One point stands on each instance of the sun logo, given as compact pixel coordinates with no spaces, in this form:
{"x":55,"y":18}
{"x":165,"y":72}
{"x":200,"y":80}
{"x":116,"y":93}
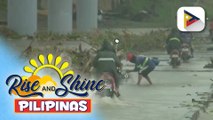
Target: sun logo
{"x":46,"y":81}
{"x":49,"y":64}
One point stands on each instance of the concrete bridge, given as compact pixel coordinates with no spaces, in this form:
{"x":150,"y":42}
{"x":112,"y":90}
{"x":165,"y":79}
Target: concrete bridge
{"x":22,"y":16}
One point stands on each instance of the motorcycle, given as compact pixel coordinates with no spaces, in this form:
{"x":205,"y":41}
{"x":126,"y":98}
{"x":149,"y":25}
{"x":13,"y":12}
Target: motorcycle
{"x":185,"y":52}
{"x":175,"y":58}
{"x":110,"y":88}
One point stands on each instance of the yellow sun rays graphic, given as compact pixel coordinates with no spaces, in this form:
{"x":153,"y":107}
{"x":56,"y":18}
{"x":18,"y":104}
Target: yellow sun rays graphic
{"x":49,"y":63}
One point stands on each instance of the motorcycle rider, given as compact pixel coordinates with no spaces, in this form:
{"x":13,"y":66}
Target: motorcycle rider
{"x":107,"y":61}
{"x":186,"y":38}
{"x":144,"y":65}
{"x":173,"y":42}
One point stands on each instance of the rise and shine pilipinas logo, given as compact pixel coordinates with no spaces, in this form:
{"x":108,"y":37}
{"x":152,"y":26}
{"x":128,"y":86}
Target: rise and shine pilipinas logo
{"x":31,"y":90}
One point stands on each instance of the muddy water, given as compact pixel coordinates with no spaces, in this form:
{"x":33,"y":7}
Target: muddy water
{"x":169,"y":98}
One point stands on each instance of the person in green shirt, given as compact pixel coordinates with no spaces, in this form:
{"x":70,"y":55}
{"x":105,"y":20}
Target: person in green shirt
{"x":107,"y":61}
{"x":173,"y":41}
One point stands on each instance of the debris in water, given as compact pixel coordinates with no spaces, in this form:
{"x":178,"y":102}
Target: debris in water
{"x":209,"y":65}
{"x":195,"y":75}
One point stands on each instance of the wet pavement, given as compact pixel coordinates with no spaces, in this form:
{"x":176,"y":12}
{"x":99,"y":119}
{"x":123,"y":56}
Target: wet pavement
{"x":208,"y":115}
{"x":168,"y":98}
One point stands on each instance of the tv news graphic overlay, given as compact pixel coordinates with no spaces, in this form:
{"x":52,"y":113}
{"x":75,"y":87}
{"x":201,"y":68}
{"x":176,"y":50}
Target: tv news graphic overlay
{"x":52,"y":105}
{"x":34,"y":89}
{"x":191,"y":19}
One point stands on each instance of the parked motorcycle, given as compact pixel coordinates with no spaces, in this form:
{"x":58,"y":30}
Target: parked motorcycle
{"x":123,"y":74}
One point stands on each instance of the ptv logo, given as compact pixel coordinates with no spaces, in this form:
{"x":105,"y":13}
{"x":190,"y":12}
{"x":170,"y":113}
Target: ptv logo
{"x":191,"y":19}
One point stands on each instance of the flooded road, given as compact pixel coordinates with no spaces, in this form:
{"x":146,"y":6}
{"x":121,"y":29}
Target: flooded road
{"x":170,"y":96}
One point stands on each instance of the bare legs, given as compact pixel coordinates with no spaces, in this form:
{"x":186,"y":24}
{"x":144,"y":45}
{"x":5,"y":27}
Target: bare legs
{"x":148,"y":79}
{"x":140,"y":78}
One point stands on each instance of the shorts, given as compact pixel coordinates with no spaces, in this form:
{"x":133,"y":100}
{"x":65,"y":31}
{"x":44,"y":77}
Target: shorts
{"x":146,"y":71}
